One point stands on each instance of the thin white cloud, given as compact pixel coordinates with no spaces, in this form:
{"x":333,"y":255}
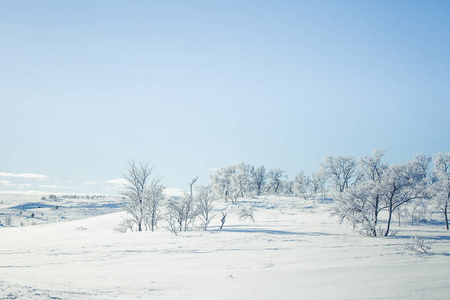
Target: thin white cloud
{"x":174,"y":192}
{"x":55,"y":186}
{"x":81,"y":169}
{"x":23,"y":175}
{"x":23,"y":192}
{"x":19,"y":185}
{"x":89,"y":182}
{"x":119,"y":181}
{"x":24,"y":185}
{"x":212,"y":169}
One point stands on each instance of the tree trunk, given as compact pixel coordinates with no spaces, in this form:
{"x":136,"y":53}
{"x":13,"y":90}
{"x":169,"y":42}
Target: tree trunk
{"x":445,"y":214}
{"x":375,"y":217}
{"x":389,"y":218}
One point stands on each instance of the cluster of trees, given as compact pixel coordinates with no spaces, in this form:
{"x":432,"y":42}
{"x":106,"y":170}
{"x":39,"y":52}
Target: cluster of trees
{"x":367,"y":188}
{"x":182,"y":213}
{"x":147,"y":205}
{"x":244,"y":180}
{"x":363,"y":190}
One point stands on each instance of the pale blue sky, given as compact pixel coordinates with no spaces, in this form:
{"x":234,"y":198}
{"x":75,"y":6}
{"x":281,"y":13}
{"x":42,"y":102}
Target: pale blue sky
{"x":194,"y":85}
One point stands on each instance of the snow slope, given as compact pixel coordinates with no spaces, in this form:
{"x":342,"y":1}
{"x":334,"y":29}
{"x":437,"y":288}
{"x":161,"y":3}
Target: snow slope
{"x":294,"y":250}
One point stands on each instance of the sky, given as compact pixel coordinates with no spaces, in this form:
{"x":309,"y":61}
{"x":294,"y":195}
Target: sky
{"x":193,"y":86}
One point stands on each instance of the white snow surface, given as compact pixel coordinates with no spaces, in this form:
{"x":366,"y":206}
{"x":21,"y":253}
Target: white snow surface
{"x":294,"y":250}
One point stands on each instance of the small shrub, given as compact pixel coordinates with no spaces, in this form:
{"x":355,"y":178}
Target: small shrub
{"x":8,"y":220}
{"x":247,"y":213}
{"x":417,"y":244}
{"x":125,"y":225}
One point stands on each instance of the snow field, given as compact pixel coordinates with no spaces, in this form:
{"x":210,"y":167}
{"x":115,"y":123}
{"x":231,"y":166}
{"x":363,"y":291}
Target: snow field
{"x":294,"y":250}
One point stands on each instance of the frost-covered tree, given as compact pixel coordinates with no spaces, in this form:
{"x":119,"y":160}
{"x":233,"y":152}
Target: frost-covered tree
{"x":258,"y":179}
{"x":240,"y":179}
{"x":189,"y":205}
{"x":442,"y":183}
{"x":175,"y":214}
{"x":275,"y":181}
{"x":382,"y":188}
{"x":205,"y":199}
{"x":401,"y":184}
{"x":233,"y":182}
{"x":361,"y":204}
{"x":155,"y":197}
{"x":341,"y":170}
{"x":301,"y":186}
{"x":318,"y":183}
{"x":143,"y":195}
{"x":288,"y":187}
{"x":221,"y":182}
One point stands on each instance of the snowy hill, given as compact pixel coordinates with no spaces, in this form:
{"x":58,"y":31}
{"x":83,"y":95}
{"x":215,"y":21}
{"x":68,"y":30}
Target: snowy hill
{"x":293,"y":250}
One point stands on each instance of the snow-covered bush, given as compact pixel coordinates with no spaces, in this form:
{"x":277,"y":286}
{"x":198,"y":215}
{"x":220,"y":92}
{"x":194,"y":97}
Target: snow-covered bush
{"x":246,"y":212}
{"x":417,"y":244}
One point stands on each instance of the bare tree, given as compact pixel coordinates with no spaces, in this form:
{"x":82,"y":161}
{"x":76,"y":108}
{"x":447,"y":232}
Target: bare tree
{"x":401,"y":184}
{"x":175,"y":214}
{"x":341,"y":169}
{"x":442,"y":183}
{"x":205,"y":200}
{"x":143,"y":195}
{"x":318,"y":183}
{"x":275,"y":181}
{"x":383,"y":187}
{"x":188,"y":202}
{"x":258,"y":178}
{"x":155,"y":197}
{"x":302,"y":185}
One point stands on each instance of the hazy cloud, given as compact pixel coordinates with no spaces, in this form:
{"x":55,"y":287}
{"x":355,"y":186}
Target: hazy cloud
{"x":89,"y":182}
{"x":19,"y":185}
{"x":24,"y":192}
{"x":24,"y":175}
{"x":119,"y":181}
{"x":174,"y":192}
{"x":54,"y":186}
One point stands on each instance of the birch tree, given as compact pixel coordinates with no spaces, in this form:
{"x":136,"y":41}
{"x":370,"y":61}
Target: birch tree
{"x":143,"y":195}
{"x":442,"y":185}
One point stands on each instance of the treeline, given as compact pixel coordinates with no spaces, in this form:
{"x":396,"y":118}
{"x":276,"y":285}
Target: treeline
{"x":363,"y":189}
{"x":71,"y":196}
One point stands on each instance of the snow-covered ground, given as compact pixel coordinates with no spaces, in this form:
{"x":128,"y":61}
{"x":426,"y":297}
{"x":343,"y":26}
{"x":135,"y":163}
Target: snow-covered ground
{"x":294,"y":250}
